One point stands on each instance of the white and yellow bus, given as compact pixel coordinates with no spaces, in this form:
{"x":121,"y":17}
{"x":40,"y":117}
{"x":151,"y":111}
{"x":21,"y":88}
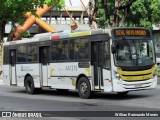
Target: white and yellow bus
{"x":107,"y":60}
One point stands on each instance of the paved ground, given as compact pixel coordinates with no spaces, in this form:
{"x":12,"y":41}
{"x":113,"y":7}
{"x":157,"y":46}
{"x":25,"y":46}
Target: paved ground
{"x":158,"y":81}
{"x":15,"y":98}
{"x":1,"y":82}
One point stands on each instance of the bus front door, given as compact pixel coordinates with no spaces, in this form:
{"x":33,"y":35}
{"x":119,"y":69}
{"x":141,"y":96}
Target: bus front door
{"x":44,"y":61}
{"x":99,"y":72}
{"x":13,"y":66}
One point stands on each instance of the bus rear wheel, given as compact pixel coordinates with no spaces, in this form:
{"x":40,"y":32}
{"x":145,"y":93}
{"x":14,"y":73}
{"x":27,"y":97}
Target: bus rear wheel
{"x":84,"y":88}
{"x":29,"y":85}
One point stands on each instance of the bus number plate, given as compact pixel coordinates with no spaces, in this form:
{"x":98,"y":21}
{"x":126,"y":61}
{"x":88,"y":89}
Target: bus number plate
{"x":138,"y":85}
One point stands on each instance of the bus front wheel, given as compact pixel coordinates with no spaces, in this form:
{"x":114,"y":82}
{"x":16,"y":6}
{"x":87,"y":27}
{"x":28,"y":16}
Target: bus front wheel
{"x":29,"y":85}
{"x":84,"y":88}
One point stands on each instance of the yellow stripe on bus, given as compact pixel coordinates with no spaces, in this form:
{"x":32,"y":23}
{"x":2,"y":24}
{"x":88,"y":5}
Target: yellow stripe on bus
{"x":136,"y":75}
{"x":51,"y":71}
{"x":79,"y":34}
{"x":88,"y":70}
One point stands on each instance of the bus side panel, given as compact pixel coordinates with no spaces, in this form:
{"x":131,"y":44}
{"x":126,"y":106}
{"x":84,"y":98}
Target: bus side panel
{"x":71,"y":71}
{"x":65,"y":74}
{"x":6,"y":74}
{"x":55,"y":81}
{"x":107,"y":82}
{"x":30,"y":69}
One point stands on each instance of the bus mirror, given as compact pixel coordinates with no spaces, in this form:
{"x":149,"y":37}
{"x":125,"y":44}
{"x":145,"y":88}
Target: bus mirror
{"x":113,"y":48}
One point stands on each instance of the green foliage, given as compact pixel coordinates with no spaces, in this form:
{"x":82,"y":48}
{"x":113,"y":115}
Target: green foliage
{"x":101,"y":21}
{"x":141,"y":13}
{"x":25,"y":34}
{"x":101,"y":14}
{"x":13,"y":10}
{"x":60,"y":4}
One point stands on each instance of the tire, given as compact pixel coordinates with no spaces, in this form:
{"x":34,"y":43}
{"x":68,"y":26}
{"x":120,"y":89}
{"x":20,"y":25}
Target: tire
{"x":122,"y":93}
{"x":29,"y":85}
{"x":84,"y":88}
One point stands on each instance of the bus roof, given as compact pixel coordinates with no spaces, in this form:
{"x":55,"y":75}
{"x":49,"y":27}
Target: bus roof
{"x":66,"y":34}
{"x":57,"y":35}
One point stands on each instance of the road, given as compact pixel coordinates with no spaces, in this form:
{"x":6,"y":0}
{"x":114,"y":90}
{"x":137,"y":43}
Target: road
{"x":16,"y":99}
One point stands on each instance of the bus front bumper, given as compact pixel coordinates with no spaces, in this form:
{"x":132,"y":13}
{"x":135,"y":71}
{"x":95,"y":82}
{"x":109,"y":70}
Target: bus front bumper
{"x":122,"y":86}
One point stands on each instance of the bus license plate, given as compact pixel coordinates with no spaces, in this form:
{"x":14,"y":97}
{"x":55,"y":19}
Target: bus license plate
{"x":138,"y":85}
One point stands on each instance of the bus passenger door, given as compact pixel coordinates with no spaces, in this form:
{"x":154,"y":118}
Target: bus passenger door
{"x":100,"y":72}
{"x":13,"y":66}
{"x":44,"y":61}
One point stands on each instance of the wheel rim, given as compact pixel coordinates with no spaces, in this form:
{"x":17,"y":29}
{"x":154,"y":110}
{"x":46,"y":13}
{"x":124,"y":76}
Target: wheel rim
{"x":83,"y":88}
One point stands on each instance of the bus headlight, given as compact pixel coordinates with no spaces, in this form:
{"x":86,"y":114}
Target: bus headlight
{"x":117,"y":76}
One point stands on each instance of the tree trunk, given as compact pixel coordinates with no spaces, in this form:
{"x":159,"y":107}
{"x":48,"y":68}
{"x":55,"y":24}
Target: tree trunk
{"x":10,"y":35}
{"x":92,"y":14}
{"x":116,"y":16}
{"x":2,"y":30}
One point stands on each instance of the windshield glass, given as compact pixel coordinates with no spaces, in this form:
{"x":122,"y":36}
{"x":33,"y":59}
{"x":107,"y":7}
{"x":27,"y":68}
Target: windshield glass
{"x":132,"y":53}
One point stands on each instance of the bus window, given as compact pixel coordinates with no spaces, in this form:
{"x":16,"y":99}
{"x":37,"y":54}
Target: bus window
{"x":79,"y":49}
{"x":22,"y":53}
{"x":107,"y":62}
{"x":59,"y":50}
{"x":32,"y":53}
{"x":6,"y":55}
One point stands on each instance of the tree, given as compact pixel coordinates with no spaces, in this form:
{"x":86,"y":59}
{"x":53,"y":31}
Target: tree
{"x":14,"y":10}
{"x":115,"y":13}
{"x":144,"y":13}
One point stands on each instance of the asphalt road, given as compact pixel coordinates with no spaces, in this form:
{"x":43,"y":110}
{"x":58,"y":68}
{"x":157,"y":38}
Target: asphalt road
{"x":16,"y":99}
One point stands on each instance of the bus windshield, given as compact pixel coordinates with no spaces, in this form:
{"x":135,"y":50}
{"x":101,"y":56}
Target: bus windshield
{"x":134,"y":53}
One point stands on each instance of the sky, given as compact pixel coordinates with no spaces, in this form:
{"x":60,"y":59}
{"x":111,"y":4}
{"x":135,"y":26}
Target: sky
{"x":76,"y":4}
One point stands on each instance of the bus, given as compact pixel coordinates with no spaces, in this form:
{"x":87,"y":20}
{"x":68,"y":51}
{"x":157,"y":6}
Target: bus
{"x":105,"y":60}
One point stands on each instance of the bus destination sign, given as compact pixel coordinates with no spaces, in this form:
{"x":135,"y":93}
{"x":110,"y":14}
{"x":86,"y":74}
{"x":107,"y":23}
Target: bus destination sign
{"x":131,"y":32}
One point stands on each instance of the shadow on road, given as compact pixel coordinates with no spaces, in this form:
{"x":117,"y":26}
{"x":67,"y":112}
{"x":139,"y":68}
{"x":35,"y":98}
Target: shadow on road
{"x":97,"y":96}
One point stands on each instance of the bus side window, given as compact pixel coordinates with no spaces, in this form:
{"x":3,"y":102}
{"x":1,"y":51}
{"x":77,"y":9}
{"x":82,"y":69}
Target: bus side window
{"x":71,"y":51}
{"x":22,"y":53}
{"x":32,"y":53}
{"x":6,"y":55}
{"x":79,"y":49}
{"x":107,"y":59}
{"x":59,"y":50}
